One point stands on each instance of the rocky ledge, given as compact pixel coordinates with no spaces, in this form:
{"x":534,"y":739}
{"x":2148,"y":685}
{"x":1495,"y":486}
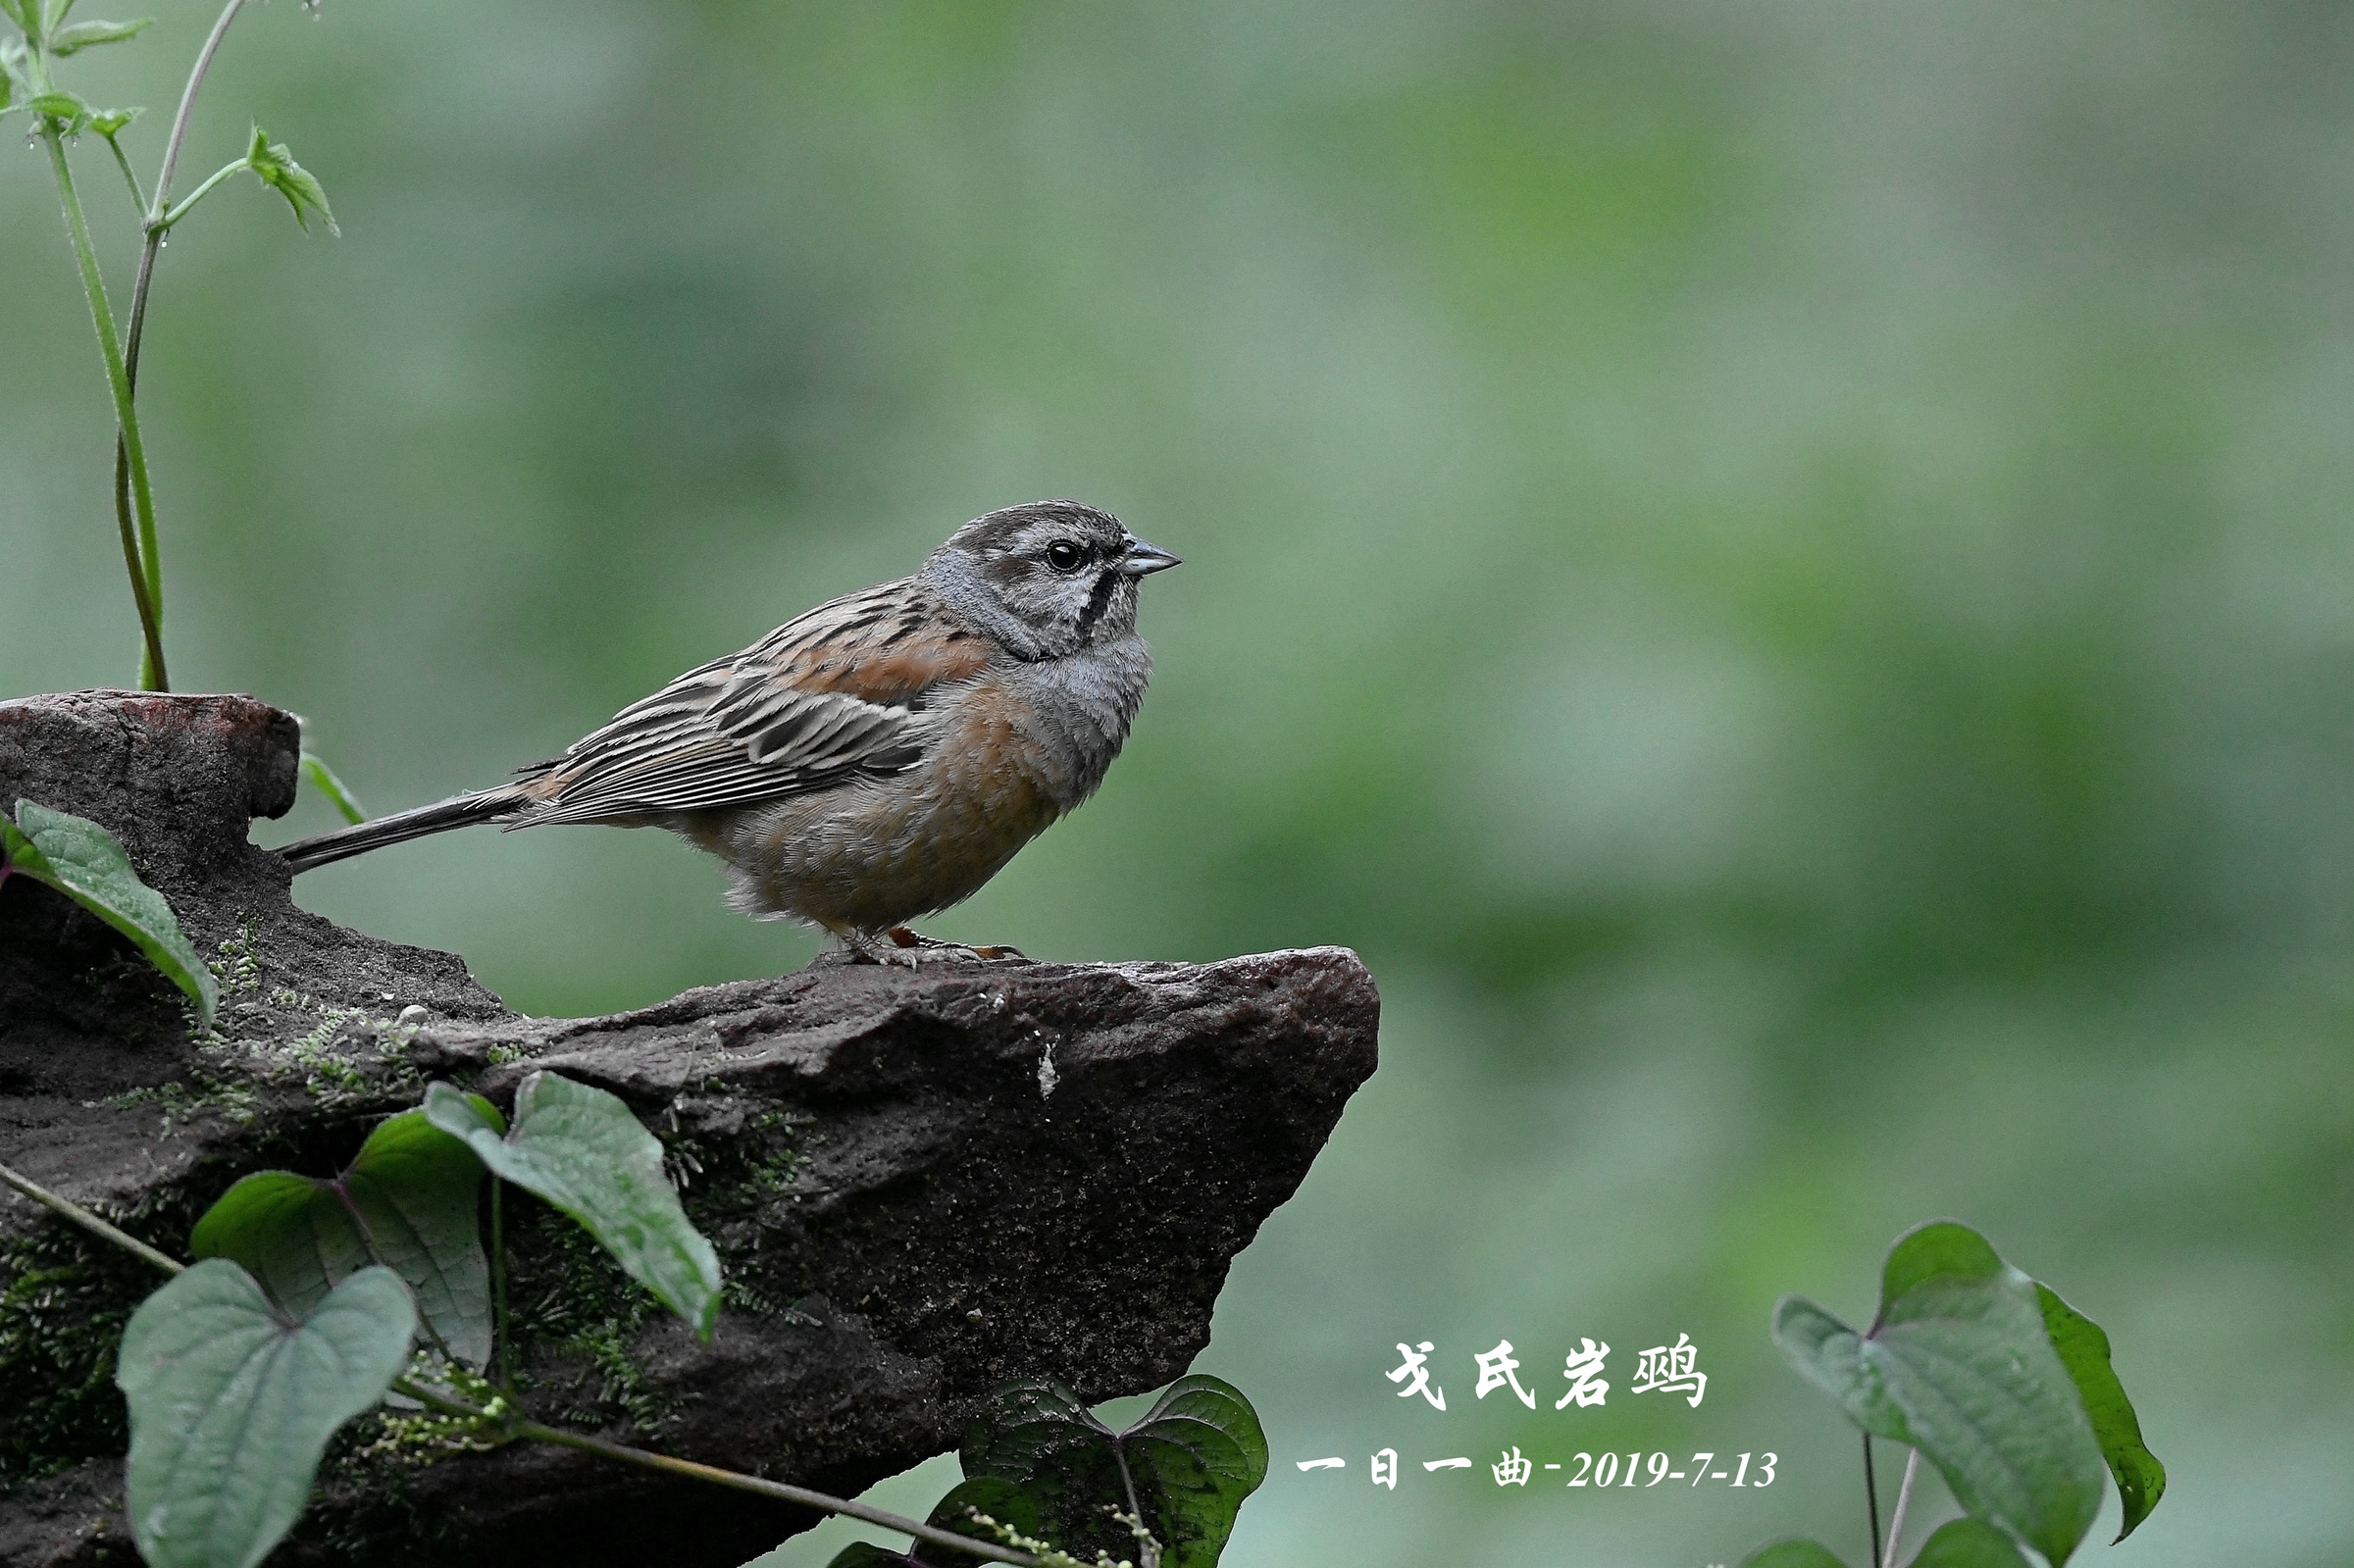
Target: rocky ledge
{"x":922,"y":1183}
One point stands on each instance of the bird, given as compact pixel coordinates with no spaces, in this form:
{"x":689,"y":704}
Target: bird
{"x":878,"y":758}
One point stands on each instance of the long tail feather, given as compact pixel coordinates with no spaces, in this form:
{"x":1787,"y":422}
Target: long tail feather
{"x":458,"y":811}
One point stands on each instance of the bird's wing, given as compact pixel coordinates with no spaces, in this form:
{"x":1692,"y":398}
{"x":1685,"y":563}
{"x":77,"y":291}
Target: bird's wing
{"x":842,"y":691}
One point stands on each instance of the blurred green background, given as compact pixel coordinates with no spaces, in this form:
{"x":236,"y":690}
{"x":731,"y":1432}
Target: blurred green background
{"x":1782,"y":572}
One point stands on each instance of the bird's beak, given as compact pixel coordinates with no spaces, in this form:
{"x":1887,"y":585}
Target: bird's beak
{"x":1143,"y":560}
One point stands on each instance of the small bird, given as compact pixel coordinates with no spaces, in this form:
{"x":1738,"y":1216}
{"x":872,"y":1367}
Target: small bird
{"x":882,"y":756}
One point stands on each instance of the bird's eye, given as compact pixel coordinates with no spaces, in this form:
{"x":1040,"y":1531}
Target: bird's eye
{"x":1064,"y":556}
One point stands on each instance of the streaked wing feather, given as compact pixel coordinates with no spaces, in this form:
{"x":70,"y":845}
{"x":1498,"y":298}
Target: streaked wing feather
{"x":818,"y":699}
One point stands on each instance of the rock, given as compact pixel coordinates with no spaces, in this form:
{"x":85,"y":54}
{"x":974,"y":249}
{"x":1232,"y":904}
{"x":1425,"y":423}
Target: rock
{"x":922,"y":1183}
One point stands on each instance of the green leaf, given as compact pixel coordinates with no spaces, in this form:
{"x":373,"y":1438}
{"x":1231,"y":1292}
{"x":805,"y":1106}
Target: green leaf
{"x":1792,"y":1554}
{"x":20,"y":12}
{"x":413,"y":1192}
{"x":1968,"y":1543}
{"x":1941,"y":1247}
{"x":1959,"y":1365}
{"x":280,"y":173}
{"x":109,"y":122}
{"x":292,"y":1234}
{"x":64,"y":106}
{"x":581,"y":1150}
{"x":1001,"y":1501}
{"x":418,"y":1192}
{"x":16,"y":68}
{"x":233,"y":1404}
{"x":1006,"y":1503}
{"x":2084,"y":1349}
{"x":322,"y":779}
{"x":88,"y":34}
{"x":84,"y":862}
{"x":1191,"y":1460}
{"x":866,"y":1555}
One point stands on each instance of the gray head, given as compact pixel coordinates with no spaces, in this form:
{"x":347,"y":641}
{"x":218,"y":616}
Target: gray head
{"x":1048,"y":578}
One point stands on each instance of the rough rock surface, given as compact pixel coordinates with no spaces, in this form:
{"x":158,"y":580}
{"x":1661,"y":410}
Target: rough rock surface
{"x":921,"y":1184}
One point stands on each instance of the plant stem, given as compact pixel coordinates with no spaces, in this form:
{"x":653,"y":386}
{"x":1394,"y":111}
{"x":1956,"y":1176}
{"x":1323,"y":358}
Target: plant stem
{"x":138,"y":197}
{"x":435,"y":1399}
{"x":130,"y":463}
{"x":187,"y":99}
{"x":773,"y":1489}
{"x":1904,"y":1495}
{"x":179,"y":209}
{"x":1872,"y":1499}
{"x":499,"y":1280}
{"x":163,"y":183}
{"x":146,"y":576}
{"x":88,"y":1221}
{"x":1119,"y":1451}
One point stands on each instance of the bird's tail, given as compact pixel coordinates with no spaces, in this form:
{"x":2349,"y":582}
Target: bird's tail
{"x":458,"y":811}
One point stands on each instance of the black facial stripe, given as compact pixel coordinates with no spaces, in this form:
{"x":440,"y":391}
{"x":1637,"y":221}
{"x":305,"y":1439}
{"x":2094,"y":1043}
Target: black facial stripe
{"x":1106,"y":584}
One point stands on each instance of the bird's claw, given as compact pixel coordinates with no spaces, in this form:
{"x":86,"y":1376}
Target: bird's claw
{"x":914,"y":949}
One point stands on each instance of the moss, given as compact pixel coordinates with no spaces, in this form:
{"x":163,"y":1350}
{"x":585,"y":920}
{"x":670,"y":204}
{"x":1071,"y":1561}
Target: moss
{"x":570,"y":1300}
{"x":726,"y":1178}
{"x":243,"y":1051}
{"x":567,"y":1296}
{"x":63,"y":1301}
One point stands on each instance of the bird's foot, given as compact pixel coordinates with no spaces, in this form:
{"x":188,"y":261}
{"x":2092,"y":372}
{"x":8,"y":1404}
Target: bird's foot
{"x":901,"y":949}
{"x":915,"y":950}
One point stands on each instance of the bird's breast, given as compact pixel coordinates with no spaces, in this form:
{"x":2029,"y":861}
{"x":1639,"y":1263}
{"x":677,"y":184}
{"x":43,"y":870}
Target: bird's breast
{"x":1007,"y":752}
{"x":1076,"y":712}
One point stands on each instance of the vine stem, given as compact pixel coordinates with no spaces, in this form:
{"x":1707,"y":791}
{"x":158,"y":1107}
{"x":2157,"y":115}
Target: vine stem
{"x":1872,"y":1499}
{"x":774,"y":1488}
{"x":146,"y":569}
{"x":1904,"y":1495}
{"x":88,"y":1221}
{"x":519,"y":1426}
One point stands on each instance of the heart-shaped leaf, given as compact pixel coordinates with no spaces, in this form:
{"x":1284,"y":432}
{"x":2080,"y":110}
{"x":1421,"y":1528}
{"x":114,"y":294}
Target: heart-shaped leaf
{"x":84,"y":862}
{"x":233,"y":1404}
{"x":410,"y":1201}
{"x":1184,"y":1467}
{"x":2084,"y":1349}
{"x":1968,"y":1543}
{"x":290,"y":1233}
{"x":1959,"y":1365}
{"x":581,"y":1150}
{"x":1793,"y":1555}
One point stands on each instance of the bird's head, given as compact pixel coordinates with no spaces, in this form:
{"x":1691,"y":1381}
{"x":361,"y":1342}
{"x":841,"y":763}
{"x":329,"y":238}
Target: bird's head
{"x":1048,"y":578}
